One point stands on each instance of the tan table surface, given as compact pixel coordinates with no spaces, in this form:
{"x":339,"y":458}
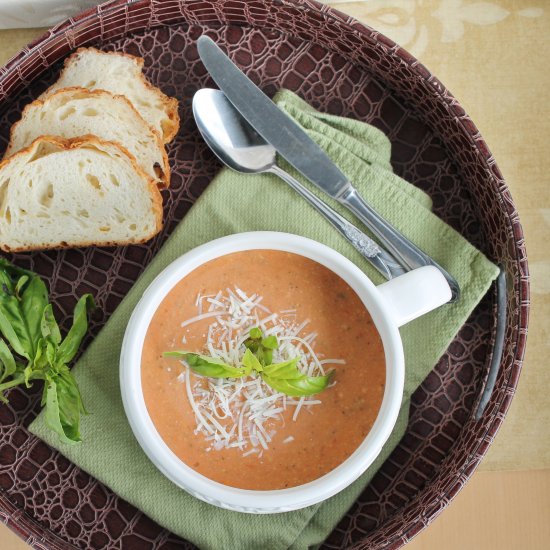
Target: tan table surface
{"x":493,"y":56}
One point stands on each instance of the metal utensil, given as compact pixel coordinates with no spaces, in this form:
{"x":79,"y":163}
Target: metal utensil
{"x":292,"y":143}
{"x":238,"y":146}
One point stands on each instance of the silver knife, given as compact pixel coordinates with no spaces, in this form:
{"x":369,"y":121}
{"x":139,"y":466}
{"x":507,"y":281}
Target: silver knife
{"x":293,"y":144}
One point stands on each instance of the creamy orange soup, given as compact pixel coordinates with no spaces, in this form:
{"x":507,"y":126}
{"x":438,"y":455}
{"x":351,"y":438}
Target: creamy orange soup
{"x":295,"y":448}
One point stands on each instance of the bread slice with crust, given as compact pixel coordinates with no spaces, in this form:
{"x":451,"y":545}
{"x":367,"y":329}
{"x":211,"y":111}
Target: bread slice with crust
{"x":120,"y":74}
{"x":74,"y":112}
{"x":60,"y":193}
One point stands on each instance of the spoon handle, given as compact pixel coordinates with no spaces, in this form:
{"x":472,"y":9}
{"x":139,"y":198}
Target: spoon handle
{"x":405,"y":251}
{"x":380,"y":258}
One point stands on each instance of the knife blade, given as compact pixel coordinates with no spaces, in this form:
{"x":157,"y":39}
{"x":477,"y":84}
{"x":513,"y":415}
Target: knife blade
{"x":285,"y":135}
{"x":294,"y":145}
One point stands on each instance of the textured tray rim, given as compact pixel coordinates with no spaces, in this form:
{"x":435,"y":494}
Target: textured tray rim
{"x":17,"y":519}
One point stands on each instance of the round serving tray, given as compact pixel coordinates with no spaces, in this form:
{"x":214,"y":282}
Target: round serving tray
{"x":339,"y":66}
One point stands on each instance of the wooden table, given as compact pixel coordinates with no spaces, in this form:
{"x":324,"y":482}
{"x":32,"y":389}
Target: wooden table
{"x":494,"y":58}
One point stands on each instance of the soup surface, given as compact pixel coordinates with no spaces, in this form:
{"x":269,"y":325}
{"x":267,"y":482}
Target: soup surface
{"x":282,"y":441}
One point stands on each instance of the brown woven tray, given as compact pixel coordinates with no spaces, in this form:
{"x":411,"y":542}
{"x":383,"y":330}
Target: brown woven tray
{"x":342,"y":67}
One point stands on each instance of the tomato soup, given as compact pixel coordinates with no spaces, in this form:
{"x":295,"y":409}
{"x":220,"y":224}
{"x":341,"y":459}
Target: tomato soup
{"x":240,"y":432}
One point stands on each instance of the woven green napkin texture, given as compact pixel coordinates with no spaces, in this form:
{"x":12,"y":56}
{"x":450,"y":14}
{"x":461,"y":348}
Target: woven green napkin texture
{"x":234,"y":203}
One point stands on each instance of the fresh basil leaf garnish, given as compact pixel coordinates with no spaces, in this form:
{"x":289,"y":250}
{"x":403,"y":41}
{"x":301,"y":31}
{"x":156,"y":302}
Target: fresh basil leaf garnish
{"x":251,"y":363}
{"x":207,"y":366}
{"x":298,"y":387}
{"x":255,"y":333}
{"x":261,"y":347}
{"x":286,"y":370}
{"x":270,"y":342}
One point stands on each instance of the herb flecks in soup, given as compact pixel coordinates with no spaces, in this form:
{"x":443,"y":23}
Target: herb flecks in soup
{"x":277,"y":309}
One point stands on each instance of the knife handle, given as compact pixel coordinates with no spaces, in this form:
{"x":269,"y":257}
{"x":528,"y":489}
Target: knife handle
{"x":406,"y":252}
{"x":381,"y":259}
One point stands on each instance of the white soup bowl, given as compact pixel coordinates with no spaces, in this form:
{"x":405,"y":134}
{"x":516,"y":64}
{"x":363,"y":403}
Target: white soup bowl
{"x":390,"y":305}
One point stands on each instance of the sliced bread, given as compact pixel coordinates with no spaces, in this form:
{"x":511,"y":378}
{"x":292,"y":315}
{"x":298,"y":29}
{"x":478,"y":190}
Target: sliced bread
{"x":60,"y":193}
{"x":120,"y":74}
{"x":74,"y":112}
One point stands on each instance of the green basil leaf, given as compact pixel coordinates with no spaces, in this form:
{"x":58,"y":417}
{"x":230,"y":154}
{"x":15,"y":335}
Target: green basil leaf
{"x":253,"y":342}
{"x":270,"y":342}
{"x":23,"y":297}
{"x":52,"y":412}
{"x":207,"y":366}
{"x":12,"y":323}
{"x":69,"y":347}
{"x":34,"y":300}
{"x":255,"y":333}
{"x":51,"y":352}
{"x":28,"y":374}
{"x":285,"y":370}
{"x":250,"y":362}
{"x":300,"y":387}
{"x":7,"y":361}
{"x":68,"y":378}
{"x":267,"y":356}
{"x":63,"y":406}
{"x":11,"y":374}
{"x":6,"y":283}
{"x":20,"y":284}
{"x":260,"y":346}
{"x":49,"y":327}
{"x":14,"y":336}
{"x":41,"y":360}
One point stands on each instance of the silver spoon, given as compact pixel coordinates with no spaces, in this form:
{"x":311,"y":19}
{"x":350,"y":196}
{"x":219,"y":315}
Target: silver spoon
{"x":238,"y":146}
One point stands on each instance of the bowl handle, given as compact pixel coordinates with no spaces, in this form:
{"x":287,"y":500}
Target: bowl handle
{"x":415,"y":293}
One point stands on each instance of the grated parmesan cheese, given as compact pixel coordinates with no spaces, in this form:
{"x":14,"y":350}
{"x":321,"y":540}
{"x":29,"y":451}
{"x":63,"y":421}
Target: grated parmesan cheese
{"x":245,"y":413}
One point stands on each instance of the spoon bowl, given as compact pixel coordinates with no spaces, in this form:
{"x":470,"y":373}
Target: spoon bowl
{"x":228,"y":134}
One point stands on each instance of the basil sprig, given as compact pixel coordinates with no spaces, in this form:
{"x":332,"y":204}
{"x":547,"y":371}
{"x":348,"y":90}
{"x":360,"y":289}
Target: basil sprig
{"x":32,"y":347}
{"x":283,"y":377}
{"x":261,"y":347}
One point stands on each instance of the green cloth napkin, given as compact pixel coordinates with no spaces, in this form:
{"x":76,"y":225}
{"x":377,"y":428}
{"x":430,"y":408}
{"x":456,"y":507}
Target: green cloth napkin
{"x":234,"y":203}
